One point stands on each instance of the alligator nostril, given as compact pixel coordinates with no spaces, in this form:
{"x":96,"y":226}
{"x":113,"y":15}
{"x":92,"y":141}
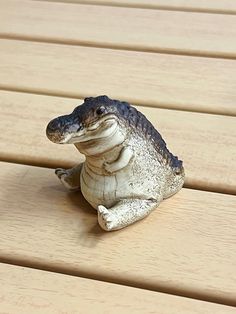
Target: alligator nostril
{"x":54,"y":125}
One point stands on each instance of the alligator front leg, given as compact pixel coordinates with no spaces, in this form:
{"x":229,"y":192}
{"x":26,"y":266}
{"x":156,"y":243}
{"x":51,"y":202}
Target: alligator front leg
{"x":124,"y":213}
{"x":70,"y":178}
{"x":122,"y":161}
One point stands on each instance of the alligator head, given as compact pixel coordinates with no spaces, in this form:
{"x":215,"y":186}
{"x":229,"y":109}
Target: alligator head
{"x":94,"y":122}
{"x":95,"y":118}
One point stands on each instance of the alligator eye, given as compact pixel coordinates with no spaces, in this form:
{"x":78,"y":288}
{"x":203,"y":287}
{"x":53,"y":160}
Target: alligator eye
{"x":100,"y":110}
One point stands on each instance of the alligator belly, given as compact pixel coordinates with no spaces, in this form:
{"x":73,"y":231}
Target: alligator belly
{"x":98,"y":189}
{"x":108,"y":190}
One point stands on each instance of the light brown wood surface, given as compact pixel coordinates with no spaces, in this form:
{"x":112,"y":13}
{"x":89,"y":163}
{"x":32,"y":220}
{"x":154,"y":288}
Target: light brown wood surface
{"x":206,"y":143}
{"x":104,"y":26}
{"x":175,"y":59}
{"x":190,"y":83}
{"x":216,"y":6}
{"x":26,"y":290}
{"x":186,"y":246}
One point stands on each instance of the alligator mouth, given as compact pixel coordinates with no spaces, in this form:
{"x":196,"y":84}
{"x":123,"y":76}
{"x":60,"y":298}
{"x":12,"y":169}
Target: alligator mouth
{"x":99,"y":129}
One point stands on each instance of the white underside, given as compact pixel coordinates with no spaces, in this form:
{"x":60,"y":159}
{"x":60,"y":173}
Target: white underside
{"x":105,"y":190}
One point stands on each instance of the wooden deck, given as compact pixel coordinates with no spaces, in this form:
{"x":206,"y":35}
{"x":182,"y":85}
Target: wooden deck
{"x":176,"y":61}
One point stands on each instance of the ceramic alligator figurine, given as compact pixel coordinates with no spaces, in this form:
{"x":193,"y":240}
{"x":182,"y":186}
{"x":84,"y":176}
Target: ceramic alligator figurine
{"x":128,"y":169}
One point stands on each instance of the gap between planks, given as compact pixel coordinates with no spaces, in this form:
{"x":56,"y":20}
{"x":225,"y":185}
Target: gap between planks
{"x":125,"y":284}
{"x":70,"y":42}
{"x":42,"y":164}
{"x":25,"y":289}
{"x":191,"y":83}
{"x":135,"y":103}
{"x":159,"y":31}
{"x":161,"y":5}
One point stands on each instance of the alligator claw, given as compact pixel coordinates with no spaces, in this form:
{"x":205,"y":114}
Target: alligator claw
{"x":105,"y":218}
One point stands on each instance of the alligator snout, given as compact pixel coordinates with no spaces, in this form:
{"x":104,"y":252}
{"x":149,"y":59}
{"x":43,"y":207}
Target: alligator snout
{"x":54,"y":129}
{"x":54,"y":125}
{"x":59,"y":128}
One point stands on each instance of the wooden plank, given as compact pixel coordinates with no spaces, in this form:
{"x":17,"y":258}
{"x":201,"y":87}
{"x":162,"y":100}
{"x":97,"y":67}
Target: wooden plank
{"x":206,"y":143}
{"x":185,"y":247}
{"x":104,"y":26}
{"x":216,"y":6}
{"x":190,"y":83}
{"x":27,"y":290}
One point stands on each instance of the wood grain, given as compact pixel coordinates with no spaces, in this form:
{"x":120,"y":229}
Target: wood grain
{"x":104,"y":26}
{"x":185,"y":247}
{"x":206,"y":143}
{"x":190,"y":83}
{"x":26,"y":290}
{"x":216,"y":6}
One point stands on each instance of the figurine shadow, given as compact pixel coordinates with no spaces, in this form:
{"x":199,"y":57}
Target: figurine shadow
{"x":45,"y":190}
{"x":89,"y":231}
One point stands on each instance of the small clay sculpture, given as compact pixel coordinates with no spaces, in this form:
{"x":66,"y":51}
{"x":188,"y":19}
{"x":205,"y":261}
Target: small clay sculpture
{"x":128,"y":169}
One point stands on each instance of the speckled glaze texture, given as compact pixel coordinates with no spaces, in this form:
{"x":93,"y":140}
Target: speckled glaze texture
{"x":128,"y":169}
